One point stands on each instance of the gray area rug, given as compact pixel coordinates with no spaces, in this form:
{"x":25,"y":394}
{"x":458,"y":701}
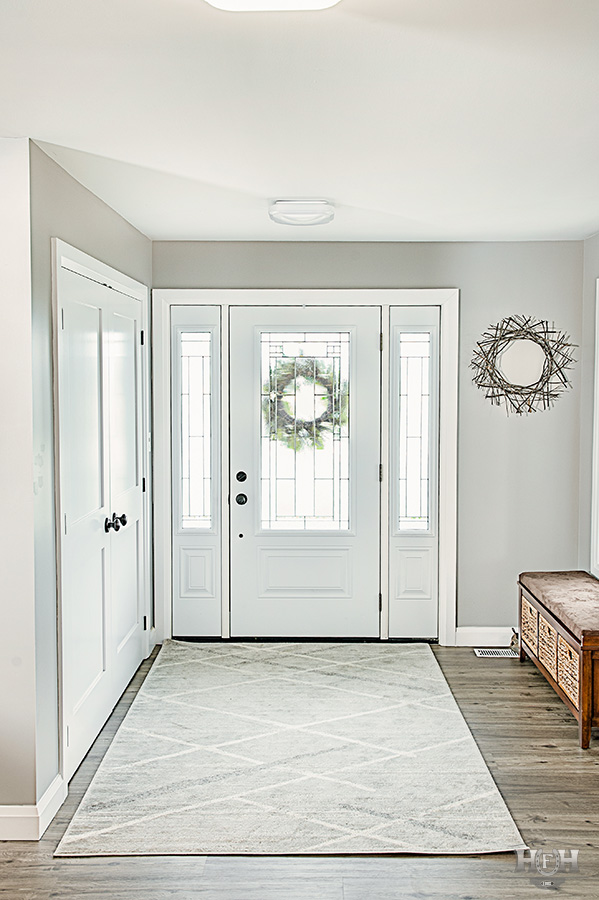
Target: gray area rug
{"x":292,"y":748}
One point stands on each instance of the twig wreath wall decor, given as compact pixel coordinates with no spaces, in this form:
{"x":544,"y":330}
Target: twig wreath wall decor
{"x":523,"y":398}
{"x":279,"y":404}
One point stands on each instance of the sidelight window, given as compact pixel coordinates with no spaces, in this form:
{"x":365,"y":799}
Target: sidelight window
{"x":414,"y":431}
{"x":195,"y":484}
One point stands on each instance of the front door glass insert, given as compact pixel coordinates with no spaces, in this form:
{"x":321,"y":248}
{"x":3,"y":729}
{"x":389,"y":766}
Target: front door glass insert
{"x":414,"y":427}
{"x":195,"y":349}
{"x":305,"y":430}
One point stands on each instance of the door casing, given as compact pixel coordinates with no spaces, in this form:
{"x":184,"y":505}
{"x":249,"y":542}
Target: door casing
{"x":447,"y":299}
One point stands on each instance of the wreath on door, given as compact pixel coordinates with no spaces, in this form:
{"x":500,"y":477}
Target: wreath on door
{"x":278,"y":405}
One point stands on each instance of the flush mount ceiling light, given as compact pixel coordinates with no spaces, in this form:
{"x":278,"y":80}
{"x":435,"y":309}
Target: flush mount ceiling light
{"x":271,"y":5}
{"x":301,"y":212}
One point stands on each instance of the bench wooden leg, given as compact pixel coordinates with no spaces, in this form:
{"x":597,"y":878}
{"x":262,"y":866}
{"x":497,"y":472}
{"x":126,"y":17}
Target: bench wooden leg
{"x":584,"y":733}
{"x":585,"y":700}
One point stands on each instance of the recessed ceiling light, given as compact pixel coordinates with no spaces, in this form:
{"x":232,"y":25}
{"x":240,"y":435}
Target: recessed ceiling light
{"x":301,"y":212}
{"x":271,"y":5}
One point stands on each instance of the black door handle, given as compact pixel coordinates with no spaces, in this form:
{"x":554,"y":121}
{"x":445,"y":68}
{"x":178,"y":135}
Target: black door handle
{"x":241,"y":476}
{"x":111,"y":523}
{"x":241,"y":499}
{"x":122,"y":519}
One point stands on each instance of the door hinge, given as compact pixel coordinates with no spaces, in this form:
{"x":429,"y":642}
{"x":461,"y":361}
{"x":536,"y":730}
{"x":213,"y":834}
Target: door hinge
{"x":145,"y":623}
{"x":68,"y":736}
{"x":381,"y":472}
{"x":381,"y":344}
{"x":62,"y":318}
{"x":142,"y":337}
{"x":380,"y":602}
{"x":65,"y":523}
{"x":143,"y":485}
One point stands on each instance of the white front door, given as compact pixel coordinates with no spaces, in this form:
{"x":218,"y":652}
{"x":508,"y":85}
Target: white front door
{"x":102,"y":540}
{"x":305,"y":448}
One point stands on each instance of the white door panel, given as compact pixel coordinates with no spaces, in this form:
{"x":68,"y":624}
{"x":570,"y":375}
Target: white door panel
{"x":305,"y":453}
{"x":85,"y":391}
{"x":124,"y":402}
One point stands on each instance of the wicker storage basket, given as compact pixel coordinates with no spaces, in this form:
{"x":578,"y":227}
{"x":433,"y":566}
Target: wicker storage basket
{"x":548,"y":646}
{"x":530,"y":626}
{"x":568,"y":670}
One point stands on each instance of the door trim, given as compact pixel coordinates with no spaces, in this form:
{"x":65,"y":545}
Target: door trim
{"x":64,"y":256}
{"x":448,"y":301}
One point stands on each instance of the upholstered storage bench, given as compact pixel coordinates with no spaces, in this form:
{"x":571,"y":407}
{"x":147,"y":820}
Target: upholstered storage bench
{"x":559,"y":632}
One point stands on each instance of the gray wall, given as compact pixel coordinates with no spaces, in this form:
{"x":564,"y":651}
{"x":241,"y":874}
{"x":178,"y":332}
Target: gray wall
{"x":62,"y":208}
{"x":518,"y":477}
{"x":591,"y":274}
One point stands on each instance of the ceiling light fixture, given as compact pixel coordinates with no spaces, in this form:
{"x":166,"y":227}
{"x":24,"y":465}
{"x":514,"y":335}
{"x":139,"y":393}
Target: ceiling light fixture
{"x":301,"y":212}
{"x":271,"y":5}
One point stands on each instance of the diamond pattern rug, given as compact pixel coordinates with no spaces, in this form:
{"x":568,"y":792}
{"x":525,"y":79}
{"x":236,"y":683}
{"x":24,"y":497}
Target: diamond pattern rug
{"x":292,"y":748}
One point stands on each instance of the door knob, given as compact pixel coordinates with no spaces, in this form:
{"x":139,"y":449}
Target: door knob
{"x":122,"y":519}
{"x":241,"y":499}
{"x":241,"y":476}
{"x":111,"y":523}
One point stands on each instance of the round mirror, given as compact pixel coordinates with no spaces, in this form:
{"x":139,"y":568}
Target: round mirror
{"x":522,"y":362}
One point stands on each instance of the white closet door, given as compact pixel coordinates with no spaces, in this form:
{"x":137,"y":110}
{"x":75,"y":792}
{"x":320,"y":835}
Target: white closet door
{"x":414,"y":479}
{"x":85,"y":489}
{"x":125,"y":457}
{"x":305,"y":455}
{"x":100,"y":428}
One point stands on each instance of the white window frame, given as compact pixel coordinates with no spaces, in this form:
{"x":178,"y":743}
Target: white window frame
{"x":448,"y":301}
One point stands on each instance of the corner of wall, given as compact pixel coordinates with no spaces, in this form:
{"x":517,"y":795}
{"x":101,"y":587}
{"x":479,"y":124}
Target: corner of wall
{"x":587,"y":363}
{"x":17,"y":599}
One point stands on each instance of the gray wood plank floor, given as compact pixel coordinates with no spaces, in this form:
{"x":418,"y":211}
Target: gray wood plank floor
{"x":528,"y":739}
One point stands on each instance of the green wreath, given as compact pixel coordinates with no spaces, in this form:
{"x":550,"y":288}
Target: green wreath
{"x":283,"y":424}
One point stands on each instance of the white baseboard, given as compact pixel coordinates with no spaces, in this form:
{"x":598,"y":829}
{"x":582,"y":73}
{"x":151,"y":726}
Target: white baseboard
{"x":28,"y":822}
{"x":475,"y":636}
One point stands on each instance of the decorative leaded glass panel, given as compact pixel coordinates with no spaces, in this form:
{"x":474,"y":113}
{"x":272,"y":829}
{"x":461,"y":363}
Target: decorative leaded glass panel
{"x":195,"y":429}
{"x":414,"y":421}
{"x":305,"y":430}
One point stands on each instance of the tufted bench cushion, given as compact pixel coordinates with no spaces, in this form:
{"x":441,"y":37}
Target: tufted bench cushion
{"x":572,"y":597}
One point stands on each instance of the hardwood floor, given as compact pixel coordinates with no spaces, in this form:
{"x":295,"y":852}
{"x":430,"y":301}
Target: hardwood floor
{"x":528,"y":739}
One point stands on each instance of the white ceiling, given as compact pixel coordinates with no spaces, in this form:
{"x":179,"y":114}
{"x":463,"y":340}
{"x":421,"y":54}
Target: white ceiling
{"x":418,"y":119}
